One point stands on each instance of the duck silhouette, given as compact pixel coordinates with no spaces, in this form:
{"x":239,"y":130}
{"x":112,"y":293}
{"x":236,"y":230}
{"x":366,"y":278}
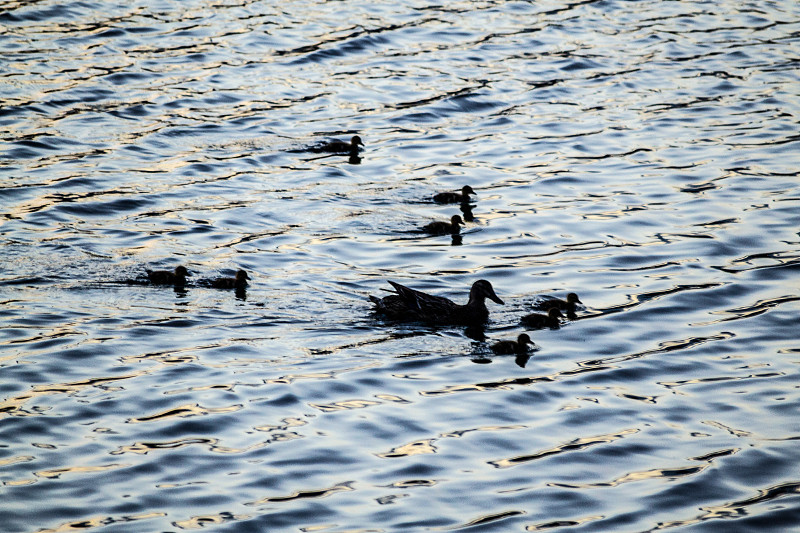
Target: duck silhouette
{"x":444,"y":228}
{"x":341,"y":147}
{"x":565,"y":305}
{"x":454,"y":197}
{"x":237,"y":282}
{"x":517,"y":347}
{"x":410,"y":304}
{"x":167,"y":277}
{"x":538,"y":321}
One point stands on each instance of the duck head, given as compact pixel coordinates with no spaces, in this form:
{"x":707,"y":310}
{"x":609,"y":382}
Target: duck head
{"x":572,"y":298}
{"x":555,"y":313}
{"x":481,"y":290}
{"x":181,"y":271}
{"x":466,"y":190}
{"x":356,"y":141}
{"x":524,"y":339}
{"x":456,"y":220}
{"x":241,"y":276}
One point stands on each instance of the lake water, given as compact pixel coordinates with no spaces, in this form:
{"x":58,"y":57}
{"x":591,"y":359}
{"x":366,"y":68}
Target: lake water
{"x":642,"y":154}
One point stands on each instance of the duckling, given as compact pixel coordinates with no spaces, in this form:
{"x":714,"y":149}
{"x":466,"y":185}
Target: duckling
{"x":564,"y":305}
{"x":341,"y":147}
{"x":410,"y":304}
{"x":538,"y":321}
{"x":517,"y":347}
{"x":444,"y":228}
{"x":454,"y":197}
{"x":165,"y":277}
{"x":238,"y":282}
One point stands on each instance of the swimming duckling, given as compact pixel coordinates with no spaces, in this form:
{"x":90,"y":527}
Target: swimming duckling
{"x":517,"y":347}
{"x":444,"y":228}
{"x":342,"y":147}
{"x":410,"y":304}
{"x":550,"y":320}
{"x":165,"y":277}
{"x":564,"y":305}
{"x":454,"y":197}
{"x":238,"y":282}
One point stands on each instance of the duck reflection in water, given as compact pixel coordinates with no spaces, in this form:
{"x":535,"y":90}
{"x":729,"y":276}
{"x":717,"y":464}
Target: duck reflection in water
{"x":466,"y":210}
{"x":410,"y":304}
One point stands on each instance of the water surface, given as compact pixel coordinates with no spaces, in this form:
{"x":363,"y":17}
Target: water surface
{"x":642,"y":154}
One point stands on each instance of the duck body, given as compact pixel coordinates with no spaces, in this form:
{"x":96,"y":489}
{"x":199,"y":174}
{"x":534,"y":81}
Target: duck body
{"x":341,"y":147}
{"x":517,"y":347}
{"x":166,"y":277}
{"x":444,"y":228}
{"x":538,"y":321}
{"x":410,"y":304}
{"x":454,"y":197}
{"x":238,"y":282}
{"x":564,"y":305}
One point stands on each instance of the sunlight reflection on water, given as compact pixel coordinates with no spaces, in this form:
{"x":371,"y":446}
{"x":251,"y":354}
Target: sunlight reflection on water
{"x":641,"y":154}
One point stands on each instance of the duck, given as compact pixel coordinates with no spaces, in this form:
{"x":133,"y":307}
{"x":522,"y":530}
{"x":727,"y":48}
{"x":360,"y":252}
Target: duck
{"x":517,"y":347}
{"x":238,"y":282}
{"x":454,"y":197}
{"x":537,"y":320}
{"x":410,"y":304}
{"x":564,"y":305}
{"x":166,"y":277}
{"x":341,"y":147}
{"x":443,"y":228}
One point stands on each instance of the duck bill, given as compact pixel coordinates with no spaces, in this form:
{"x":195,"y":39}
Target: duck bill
{"x":493,"y":297}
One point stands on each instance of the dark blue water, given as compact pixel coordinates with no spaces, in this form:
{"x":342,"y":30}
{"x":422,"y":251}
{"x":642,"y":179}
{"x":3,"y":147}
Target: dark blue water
{"x":642,"y":154}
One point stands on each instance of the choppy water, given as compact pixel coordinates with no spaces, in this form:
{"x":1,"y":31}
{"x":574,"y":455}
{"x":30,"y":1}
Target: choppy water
{"x":642,"y":154}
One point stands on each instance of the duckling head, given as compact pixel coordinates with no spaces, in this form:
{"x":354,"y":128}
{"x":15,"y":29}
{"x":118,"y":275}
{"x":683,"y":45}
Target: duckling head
{"x":572,"y":298}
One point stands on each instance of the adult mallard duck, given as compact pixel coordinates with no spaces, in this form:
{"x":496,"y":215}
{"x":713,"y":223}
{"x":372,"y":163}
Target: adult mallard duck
{"x":410,"y":304}
{"x":444,"y":228}
{"x":454,"y":197}
{"x":238,"y":282}
{"x":550,"y":320}
{"x":165,"y":277}
{"x":341,"y":147}
{"x":517,"y":347}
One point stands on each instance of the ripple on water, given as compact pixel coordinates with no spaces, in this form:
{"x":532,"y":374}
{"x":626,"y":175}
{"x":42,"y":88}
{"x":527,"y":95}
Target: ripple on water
{"x":647,"y":162}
